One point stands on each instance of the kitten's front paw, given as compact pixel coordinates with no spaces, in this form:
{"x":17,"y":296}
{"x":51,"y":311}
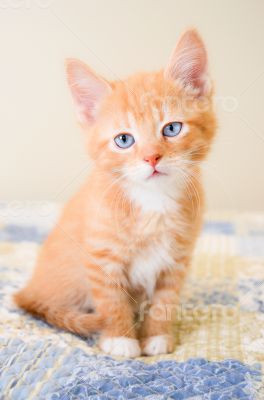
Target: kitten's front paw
{"x":120,"y":346}
{"x":155,"y":345}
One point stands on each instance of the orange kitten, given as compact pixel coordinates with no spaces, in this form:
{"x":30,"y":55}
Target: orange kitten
{"x":123,"y":243}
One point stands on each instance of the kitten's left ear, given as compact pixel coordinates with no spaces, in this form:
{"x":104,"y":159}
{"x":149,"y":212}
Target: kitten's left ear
{"x":88,"y":90}
{"x":188,"y":63}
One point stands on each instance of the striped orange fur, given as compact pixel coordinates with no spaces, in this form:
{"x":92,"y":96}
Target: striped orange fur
{"x":122,"y":246}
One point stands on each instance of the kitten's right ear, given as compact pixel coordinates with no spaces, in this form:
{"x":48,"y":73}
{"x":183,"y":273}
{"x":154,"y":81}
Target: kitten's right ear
{"x":188,"y":63}
{"x":88,"y":90}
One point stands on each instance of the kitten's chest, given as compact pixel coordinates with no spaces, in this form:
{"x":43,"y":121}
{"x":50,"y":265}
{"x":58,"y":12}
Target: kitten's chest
{"x":153,"y":251}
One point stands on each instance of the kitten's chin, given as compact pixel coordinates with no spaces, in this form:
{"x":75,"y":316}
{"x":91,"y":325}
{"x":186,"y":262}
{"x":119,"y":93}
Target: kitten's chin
{"x":156,"y":194}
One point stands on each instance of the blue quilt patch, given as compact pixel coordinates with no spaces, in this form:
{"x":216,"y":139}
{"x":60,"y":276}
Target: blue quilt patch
{"x":219,"y":227}
{"x":19,"y":233}
{"x":80,"y":376}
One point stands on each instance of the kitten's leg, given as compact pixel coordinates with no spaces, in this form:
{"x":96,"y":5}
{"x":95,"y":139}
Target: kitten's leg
{"x":156,"y":332}
{"x":113,"y":302}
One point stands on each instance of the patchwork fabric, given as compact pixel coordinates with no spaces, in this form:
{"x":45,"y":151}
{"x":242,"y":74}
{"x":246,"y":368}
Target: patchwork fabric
{"x":219,"y":329}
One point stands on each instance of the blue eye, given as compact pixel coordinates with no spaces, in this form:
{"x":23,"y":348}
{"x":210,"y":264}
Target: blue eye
{"x":172,"y":129}
{"x":125,"y":140}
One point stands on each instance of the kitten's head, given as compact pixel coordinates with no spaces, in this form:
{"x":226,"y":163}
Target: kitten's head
{"x":152,"y":127}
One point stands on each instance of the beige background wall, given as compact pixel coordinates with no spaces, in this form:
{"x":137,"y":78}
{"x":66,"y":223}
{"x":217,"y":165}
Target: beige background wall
{"x":42,"y":155}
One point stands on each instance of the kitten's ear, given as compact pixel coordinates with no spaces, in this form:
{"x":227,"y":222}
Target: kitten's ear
{"x":88,"y":90}
{"x":188,"y":63}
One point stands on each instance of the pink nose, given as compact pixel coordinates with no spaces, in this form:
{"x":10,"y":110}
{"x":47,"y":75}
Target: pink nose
{"x":152,"y":159}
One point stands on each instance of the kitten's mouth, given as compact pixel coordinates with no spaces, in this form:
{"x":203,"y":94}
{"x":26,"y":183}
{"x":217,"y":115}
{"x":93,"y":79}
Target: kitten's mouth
{"x":156,"y":173}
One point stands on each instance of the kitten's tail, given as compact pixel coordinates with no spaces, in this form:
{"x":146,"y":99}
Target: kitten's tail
{"x":72,"y":320}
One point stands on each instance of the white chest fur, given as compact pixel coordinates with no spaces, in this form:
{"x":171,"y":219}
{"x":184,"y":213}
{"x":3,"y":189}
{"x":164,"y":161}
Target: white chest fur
{"x":157,"y":196}
{"x":160,"y":210}
{"x":156,"y":257}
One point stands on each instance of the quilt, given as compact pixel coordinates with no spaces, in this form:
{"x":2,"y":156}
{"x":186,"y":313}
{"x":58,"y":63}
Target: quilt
{"x":219,"y":329}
